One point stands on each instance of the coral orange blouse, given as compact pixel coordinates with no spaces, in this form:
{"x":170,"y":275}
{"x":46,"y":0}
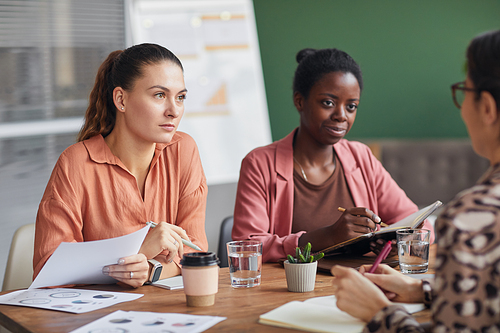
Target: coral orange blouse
{"x":91,"y":196}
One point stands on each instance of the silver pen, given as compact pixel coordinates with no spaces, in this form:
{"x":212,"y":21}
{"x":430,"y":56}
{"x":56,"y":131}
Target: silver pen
{"x":185,"y":242}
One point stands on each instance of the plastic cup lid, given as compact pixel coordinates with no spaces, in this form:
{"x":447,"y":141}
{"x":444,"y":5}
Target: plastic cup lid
{"x":199,"y":259}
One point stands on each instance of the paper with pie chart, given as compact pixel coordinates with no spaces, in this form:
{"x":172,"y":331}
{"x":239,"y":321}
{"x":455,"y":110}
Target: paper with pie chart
{"x":150,"y":322}
{"x":66,"y":299}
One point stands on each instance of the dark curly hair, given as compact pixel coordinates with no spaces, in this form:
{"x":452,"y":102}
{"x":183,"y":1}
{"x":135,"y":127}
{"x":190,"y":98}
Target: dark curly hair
{"x":483,"y":64}
{"x":314,"y":64}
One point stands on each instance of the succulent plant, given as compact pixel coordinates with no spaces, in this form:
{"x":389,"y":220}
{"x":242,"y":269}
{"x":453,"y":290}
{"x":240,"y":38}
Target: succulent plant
{"x":304,"y":256}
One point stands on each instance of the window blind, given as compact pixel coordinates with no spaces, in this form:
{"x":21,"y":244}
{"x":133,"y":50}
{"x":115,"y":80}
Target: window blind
{"x":50,"y":51}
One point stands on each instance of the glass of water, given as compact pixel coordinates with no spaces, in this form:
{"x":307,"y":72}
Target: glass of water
{"x":413,"y":250}
{"x":245,"y":263}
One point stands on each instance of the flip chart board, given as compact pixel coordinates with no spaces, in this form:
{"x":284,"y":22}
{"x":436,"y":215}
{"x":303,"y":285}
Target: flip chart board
{"x":216,"y":41}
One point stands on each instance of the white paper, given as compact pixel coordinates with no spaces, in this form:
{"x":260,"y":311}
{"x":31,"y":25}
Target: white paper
{"x":171,"y":283}
{"x":66,"y":299}
{"x":82,"y":262}
{"x":319,"y":314}
{"x":150,"y":322}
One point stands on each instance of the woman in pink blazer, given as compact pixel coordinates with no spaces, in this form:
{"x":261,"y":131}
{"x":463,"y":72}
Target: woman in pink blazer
{"x":289,"y":191}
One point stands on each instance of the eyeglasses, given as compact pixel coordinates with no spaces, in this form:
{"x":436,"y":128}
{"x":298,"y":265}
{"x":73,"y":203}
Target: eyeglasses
{"x":458,"y":92}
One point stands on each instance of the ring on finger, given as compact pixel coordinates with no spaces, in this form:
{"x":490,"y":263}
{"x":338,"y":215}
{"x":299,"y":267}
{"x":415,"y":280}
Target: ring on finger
{"x":175,"y":242}
{"x":131,"y":274}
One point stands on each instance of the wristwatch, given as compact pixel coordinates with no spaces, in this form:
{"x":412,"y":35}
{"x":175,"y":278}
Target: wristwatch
{"x":156,"y":268}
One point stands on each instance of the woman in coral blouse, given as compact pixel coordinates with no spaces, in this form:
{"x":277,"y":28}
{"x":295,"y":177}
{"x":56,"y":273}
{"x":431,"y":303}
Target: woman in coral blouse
{"x":289,"y":191}
{"x":130,"y":166}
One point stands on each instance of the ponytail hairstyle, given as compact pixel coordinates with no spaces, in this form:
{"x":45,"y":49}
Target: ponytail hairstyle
{"x":314,"y":64}
{"x":483,"y":64}
{"x":120,"y":69}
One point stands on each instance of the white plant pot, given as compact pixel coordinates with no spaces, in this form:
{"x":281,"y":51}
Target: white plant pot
{"x":301,"y":277}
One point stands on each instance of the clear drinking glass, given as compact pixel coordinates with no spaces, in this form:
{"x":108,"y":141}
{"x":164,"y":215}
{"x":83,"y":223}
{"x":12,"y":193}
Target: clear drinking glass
{"x":413,"y":250}
{"x":245,"y":263}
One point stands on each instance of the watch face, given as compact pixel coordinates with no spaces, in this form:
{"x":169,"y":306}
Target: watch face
{"x":156,"y":274}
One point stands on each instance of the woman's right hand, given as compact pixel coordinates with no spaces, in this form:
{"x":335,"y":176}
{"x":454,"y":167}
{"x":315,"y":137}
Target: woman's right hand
{"x":396,"y":286}
{"x":164,"y":239}
{"x":352,"y":223}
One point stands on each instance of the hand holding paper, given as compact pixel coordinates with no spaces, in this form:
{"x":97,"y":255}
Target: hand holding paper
{"x":132,"y":270}
{"x":82,"y":263}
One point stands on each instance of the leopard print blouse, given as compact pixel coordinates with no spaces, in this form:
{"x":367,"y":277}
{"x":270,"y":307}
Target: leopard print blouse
{"x":465,"y":295}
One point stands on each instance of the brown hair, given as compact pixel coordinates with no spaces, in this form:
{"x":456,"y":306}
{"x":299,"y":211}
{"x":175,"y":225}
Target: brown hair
{"x":120,"y":69}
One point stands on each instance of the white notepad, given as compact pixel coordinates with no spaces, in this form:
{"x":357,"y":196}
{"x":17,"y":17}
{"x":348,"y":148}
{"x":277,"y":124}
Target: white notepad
{"x":319,"y":314}
{"x":171,"y":283}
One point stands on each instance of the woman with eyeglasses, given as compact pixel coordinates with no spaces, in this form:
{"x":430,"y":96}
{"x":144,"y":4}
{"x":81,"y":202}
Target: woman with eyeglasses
{"x":465,"y":294}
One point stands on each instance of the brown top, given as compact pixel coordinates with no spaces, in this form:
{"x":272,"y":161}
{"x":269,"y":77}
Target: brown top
{"x":91,"y":196}
{"x":316,"y":206}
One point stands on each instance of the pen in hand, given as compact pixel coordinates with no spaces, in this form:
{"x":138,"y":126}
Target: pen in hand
{"x":184,"y":241}
{"x":382,"y":224}
{"x":381,"y":256}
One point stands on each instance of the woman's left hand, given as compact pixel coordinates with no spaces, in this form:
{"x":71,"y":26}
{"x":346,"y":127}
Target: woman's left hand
{"x":132,"y":270}
{"x":357,"y":295}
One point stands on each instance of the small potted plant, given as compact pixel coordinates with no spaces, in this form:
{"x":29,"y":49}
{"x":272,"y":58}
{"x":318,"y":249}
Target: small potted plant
{"x":301,"y":271}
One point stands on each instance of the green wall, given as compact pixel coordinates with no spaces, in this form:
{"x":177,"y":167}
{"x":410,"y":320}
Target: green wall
{"x":410,"y":53}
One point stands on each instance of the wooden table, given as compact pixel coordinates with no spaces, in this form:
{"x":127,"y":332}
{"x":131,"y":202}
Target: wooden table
{"x":242,"y":307}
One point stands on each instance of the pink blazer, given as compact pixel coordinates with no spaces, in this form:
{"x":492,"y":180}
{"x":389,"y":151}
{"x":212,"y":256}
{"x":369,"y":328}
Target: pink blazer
{"x":264,"y":198}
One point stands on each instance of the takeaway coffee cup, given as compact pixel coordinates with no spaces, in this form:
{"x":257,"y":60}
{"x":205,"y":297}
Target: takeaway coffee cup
{"x":200,"y":275}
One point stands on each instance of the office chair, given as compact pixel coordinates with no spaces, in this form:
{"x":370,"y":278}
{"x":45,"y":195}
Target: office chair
{"x":225,"y":236}
{"x":19,"y":271}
